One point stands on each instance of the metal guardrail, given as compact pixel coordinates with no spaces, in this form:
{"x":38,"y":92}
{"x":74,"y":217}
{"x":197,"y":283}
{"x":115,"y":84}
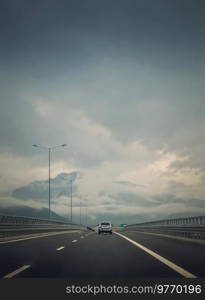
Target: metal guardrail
{"x":187,"y":221}
{"x":188,"y":227}
{"x":17,"y":220}
{"x":11,"y":226}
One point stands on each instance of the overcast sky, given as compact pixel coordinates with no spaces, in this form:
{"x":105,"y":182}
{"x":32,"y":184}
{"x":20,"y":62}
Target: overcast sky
{"x":122,"y":83}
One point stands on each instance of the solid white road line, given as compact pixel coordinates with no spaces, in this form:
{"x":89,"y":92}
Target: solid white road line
{"x":167,"y":262}
{"x":12,"y":274}
{"x":82,"y":237}
{"x":74,"y":241}
{"x":37,"y":236}
{"x":60,"y":248}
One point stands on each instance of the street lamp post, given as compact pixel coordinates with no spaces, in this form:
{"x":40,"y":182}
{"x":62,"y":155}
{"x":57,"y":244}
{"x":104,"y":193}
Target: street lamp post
{"x":80,"y":213}
{"x":86,"y":215}
{"x":71,"y":201}
{"x":49,"y":171}
{"x":49,"y":181}
{"x":86,"y":212}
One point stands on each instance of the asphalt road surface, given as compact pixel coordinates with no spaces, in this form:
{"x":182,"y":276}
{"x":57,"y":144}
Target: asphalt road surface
{"x":125,"y":254}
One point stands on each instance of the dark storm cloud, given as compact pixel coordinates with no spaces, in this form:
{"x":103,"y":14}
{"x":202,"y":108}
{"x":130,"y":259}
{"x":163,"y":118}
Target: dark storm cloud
{"x":128,"y":183}
{"x":132,"y":67}
{"x":51,"y":46}
{"x":172,"y":199}
{"x":38,"y":190}
{"x":38,"y":31}
{"x":128,"y":198}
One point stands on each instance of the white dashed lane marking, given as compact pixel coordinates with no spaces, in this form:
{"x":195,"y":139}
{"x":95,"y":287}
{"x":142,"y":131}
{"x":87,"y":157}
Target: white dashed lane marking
{"x":60,"y":248}
{"x":12,"y":274}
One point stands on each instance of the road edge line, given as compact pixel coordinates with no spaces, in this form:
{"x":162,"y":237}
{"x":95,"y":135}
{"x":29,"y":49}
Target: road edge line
{"x":167,"y":262}
{"x":36,"y":237}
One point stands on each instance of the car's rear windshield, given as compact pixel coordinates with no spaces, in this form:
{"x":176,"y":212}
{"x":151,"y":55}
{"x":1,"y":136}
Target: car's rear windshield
{"x":105,"y":223}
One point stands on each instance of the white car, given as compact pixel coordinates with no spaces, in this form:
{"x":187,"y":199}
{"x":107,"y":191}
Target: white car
{"x":105,"y":226}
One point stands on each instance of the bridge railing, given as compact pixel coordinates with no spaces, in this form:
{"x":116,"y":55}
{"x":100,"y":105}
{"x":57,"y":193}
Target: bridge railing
{"x":188,"y":227}
{"x":20,"y":220}
{"x":187,"y":221}
{"x":13,"y":226}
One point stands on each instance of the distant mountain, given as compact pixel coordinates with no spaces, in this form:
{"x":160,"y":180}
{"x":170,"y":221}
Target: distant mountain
{"x":26,"y":211}
{"x":38,"y":190}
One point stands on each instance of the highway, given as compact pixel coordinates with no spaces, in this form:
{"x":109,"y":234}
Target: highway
{"x":124,"y":254}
